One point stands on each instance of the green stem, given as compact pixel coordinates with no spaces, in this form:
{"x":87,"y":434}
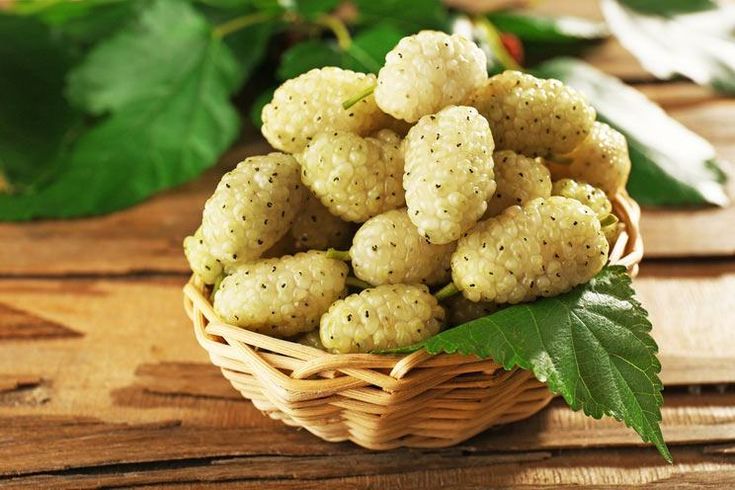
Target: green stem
{"x":234,"y":25}
{"x":342,"y":255}
{"x":357,"y":283}
{"x":215,"y":287}
{"x":446,"y":292}
{"x":339,"y":29}
{"x":358,"y":97}
{"x":609,"y":220}
{"x":495,"y":42}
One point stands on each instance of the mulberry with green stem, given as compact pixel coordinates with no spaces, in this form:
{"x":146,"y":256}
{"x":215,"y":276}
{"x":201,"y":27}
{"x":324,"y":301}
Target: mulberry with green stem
{"x":542,"y":249}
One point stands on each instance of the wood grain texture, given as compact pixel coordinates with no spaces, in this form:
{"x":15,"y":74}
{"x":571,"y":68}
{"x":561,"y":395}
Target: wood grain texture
{"x":409,"y":469}
{"x":135,"y":390}
{"x":134,"y":340}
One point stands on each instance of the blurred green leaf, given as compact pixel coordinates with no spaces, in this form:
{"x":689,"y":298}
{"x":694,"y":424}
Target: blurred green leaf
{"x":669,"y":7}
{"x":306,"y":55}
{"x":35,"y":119}
{"x":168,"y":122}
{"x":369,"y":47}
{"x":698,"y":44}
{"x":249,"y":47}
{"x":410,"y":17}
{"x":562,"y":29}
{"x":141,"y":62}
{"x":671,"y":164}
{"x":257,"y":108}
{"x":227,"y":4}
{"x":311,"y":9}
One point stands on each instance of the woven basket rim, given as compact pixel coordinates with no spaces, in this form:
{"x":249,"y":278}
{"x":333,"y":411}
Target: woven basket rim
{"x":385,"y":370}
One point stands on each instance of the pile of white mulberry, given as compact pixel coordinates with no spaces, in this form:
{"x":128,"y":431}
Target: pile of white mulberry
{"x":430,"y":175}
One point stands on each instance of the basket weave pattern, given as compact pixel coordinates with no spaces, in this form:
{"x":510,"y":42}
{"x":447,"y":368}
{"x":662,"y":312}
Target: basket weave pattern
{"x":381,"y":401}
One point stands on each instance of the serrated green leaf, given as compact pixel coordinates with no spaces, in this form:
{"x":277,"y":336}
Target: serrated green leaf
{"x":159,"y":135}
{"x":563,"y":29}
{"x":35,"y":119}
{"x":672,"y":166}
{"x":143,"y":62}
{"x":699,"y":44}
{"x":370,"y":45}
{"x":306,"y":55}
{"x":591,"y":345}
{"x":410,"y":18}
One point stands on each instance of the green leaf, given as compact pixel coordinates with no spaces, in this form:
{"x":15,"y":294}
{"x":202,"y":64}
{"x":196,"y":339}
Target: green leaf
{"x":35,"y":119}
{"x":699,"y":44}
{"x":143,"y":62}
{"x":671,"y":164}
{"x":591,"y":345}
{"x":83,"y":22}
{"x":306,"y":55}
{"x":369,"y":47}
{"x":669,"y":7}
{"x":256,"y":108}
{"x":249,"y":46}
{"x":167,"y":124}
{"x":410,"y":17}
{"x":312,"y":9}
{"x":529,"y":27}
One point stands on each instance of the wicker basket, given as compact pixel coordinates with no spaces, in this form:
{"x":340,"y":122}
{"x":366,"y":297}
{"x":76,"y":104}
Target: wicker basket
{"x":380,"y":401}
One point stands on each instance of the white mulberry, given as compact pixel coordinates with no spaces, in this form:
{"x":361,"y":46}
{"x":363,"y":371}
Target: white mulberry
{"x":312,"y":103}
{"x":354,"y":177}
{"x":589,"y":195}
{"x":311,"y":339}
{"x":315,"y":228}
{"x":448,"y":174}
{"x":520,"y":179}
{"x":387,"y":249}
{"x":532,"y":116}
{"x":427,"y":72}
{"x":544,"y":248}
{"x":281,"y":297}
{"x":461,"y":310}
{"x":200,"y":260}
{"x":601,"y":160}
{"x":385,"y":317}
{"x":252,"y":208}
{"x":593,"y":198}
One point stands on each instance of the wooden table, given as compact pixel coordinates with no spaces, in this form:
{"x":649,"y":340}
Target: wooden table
{"x":102,"y":383}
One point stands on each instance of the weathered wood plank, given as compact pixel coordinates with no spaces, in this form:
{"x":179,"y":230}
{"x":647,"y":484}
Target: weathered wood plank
{"x":691,"y":307}
{"x":135,"y":388}
{"x":415,"y":469}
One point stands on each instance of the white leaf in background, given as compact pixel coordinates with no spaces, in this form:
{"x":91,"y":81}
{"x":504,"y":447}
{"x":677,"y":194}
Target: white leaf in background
{"x":700,"y":45}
